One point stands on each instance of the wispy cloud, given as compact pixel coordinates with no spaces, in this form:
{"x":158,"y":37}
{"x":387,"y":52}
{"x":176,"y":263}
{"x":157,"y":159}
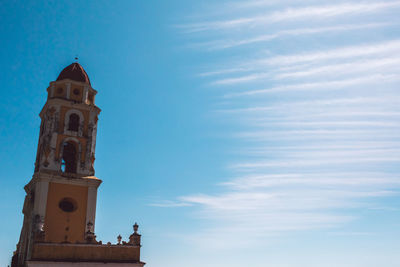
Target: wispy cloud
{"x":350,"y":103}
{"x":311,"y":180}
{"x":307,"y":86}
{"x":386,"y":48}
{"x":316,"y":119}
{"x":290,"y":14}
{"x":379,"y":61}
{"x":257,"y":38}
{"x":377,"y":52}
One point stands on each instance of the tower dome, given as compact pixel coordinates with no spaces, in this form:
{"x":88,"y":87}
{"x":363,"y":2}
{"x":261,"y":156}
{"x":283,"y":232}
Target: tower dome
{"x":74,"y":72}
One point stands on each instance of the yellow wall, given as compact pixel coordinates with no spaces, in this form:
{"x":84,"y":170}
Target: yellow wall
{"x":79,"y":90}
{"x":60,"y":91}
{"x":63,"y":226}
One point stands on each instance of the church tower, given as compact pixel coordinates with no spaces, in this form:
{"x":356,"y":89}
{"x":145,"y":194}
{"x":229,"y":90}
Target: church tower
{"x":60,"y":203}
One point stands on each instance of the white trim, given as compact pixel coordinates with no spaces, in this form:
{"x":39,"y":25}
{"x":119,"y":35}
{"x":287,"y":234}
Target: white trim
{"x":84,"y":181}
{"x":91,"y":206}
{"x":41,"y":190}
{"x":85,"y":94}
{"x":68,"y":90}
{"x":63,"y":81}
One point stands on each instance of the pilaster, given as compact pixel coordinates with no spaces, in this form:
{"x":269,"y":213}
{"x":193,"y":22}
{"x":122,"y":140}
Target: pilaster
{"x":91,"y":206}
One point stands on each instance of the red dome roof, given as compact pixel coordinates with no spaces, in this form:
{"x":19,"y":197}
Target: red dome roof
{"x":74,"y":72}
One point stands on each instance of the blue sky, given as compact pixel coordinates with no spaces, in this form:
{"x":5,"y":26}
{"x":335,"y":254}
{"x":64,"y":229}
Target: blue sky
{"x":236,"y":133}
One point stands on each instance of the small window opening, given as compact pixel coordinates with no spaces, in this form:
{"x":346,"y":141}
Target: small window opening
{"x":68,"y":161}
{"x":73,"y":124}
{"x":60,"y":90}
{"x":76,"y":91}
{"x":62,"y":165}
{"x":67,"y":205}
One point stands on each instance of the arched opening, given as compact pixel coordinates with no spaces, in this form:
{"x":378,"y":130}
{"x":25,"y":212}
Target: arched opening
{"x":73,"y":124}
{"x":69,"y":158}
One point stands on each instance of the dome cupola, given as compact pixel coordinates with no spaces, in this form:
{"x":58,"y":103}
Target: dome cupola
{"x":74,"y":72}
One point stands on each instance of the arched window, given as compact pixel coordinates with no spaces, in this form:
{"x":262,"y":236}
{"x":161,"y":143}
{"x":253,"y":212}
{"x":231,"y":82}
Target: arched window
{"x":69,"y":158}
{"x":73,"y":124}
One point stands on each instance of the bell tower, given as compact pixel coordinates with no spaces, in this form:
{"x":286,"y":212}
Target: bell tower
{"x":63,"y":184}
{"x":69,"y":123}
{"x":60,"y":203}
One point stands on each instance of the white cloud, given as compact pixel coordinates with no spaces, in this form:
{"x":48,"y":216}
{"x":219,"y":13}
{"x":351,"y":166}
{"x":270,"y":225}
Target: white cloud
{"x":373,"y":66}
{"x":257,"y":38}
{"x":316,"y":129}
{"x":340,"y":179}
{"x":291,"y":14}
{"x":336,"y":61}
{"x":348,"y":102}
{"x":383,"y":49}
{"x":323,"y":86}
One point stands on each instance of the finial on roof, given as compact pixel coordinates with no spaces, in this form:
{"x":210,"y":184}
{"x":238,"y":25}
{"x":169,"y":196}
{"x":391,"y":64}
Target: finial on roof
{"x":134,"y":239}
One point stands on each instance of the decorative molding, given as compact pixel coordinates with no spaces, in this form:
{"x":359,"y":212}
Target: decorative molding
{"x":83,"y":181}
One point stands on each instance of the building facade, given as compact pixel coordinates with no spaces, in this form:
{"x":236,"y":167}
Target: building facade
{"x":60,"y":203}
